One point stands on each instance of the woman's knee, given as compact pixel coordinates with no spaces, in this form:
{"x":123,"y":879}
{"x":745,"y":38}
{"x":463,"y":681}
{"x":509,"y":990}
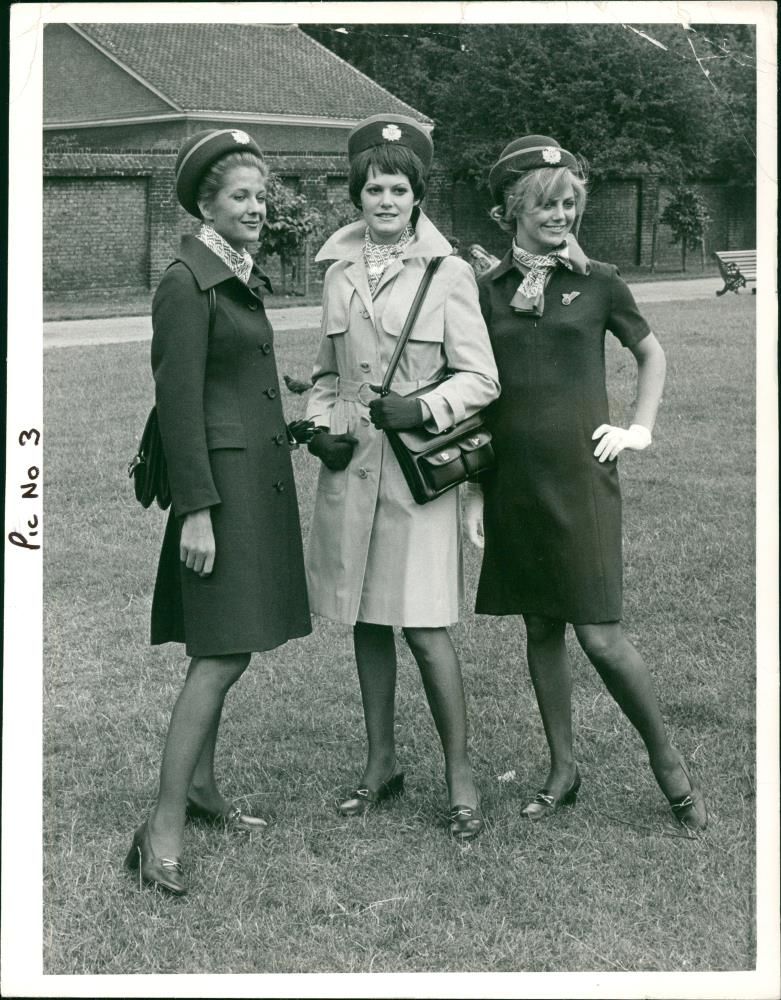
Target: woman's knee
{"x":427,"y":643}
{"x":540,"y":629}
{"x":219,"y":672}
{"x":603,"y":643}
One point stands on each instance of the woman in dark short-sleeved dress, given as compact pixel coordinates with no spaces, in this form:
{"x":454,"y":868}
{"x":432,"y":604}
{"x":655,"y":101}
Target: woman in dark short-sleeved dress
{"x":549,"y":515}
{"x":231,"y":574}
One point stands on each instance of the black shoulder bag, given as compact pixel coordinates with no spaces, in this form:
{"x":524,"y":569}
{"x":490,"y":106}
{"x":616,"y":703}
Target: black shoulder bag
{"x":435,"y":463}
{"x":147,"y":468}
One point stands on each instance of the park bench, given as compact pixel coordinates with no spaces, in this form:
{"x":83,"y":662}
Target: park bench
{"x":737,"y":267}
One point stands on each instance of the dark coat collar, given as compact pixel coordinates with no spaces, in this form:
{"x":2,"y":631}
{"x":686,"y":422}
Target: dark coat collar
{"x":208,"y":270}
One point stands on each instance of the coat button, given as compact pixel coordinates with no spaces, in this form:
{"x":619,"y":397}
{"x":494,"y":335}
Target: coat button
{"x":266,"y":348}
{"x":278,"y":439}
{"x":365,"y":313}
{"x":252,"y":305}
{"x":363,"y":473}
{"x":365,"y":366}
{"x":279,"y":486}
{"x":271,"y":393}
{"x":365,"y":420}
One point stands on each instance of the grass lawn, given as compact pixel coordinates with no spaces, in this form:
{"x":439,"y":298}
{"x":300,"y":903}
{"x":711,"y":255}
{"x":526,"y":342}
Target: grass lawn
{"x":609,"y":885}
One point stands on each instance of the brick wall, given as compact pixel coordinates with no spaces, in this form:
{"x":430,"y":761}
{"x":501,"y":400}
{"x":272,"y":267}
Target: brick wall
{"x":438,"y":203}
{"x":610,"y":228}
{"x":97,"y":233}
{"x":86,"y":207}
{"x":471,"y":222}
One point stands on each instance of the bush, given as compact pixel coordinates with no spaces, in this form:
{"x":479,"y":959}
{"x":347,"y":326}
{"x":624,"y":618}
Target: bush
{"x":687,"y":216}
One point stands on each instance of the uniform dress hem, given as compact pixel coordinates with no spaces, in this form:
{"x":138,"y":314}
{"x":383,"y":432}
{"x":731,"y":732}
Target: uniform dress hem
{"x":554,"y":616}
{"x":252,"y":648}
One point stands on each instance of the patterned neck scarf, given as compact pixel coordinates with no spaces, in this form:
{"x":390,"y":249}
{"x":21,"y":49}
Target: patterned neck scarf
{"x":239,"y":263}
{"x":529,"y":296}
{"x":377,"y":256}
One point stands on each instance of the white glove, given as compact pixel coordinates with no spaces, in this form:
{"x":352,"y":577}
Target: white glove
{"x":473,"y":514}
{"x":615,"y":439}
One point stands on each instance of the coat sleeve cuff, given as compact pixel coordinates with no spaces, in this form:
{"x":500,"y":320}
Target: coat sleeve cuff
{"x":444,"y":413}
{"x":196,"y":501}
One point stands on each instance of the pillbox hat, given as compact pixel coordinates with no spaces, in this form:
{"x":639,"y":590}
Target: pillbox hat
{"x":198,"y":153}
{"x":527,"y":153}
{"x":398,"y":130}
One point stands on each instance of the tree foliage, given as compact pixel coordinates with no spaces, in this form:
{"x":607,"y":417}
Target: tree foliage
{"x":680,"y":102}
{"x":687,"y":216}
{"x":290,"y":219}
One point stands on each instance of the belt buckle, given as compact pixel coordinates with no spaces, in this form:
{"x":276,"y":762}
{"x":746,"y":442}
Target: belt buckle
{"x":359,"y":396}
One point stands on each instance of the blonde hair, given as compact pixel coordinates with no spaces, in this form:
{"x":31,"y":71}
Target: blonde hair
{"x":213,"y":179}
{"x":534,"y":187}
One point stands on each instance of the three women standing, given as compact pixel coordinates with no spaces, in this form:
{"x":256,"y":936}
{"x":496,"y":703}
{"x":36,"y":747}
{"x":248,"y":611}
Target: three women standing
{"x":231,"y":575}
{"x":552,"y":505}
{"x":376,"y":559}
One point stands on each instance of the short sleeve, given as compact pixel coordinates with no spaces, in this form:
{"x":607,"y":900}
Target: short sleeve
{"x":625,"y":320}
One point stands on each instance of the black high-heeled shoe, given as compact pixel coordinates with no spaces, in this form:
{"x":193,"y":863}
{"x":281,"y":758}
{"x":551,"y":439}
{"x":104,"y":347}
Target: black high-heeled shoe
{"x":690,"y":809}
{"x":164,"y":872}
{"x":232,"y":819}
{"x":544,"y":804}
{"x":363,"y":799}
{"x":466,"y":822}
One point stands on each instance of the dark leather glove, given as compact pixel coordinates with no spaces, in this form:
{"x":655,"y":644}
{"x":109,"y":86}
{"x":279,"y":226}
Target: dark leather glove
{"x":394,"y":412}
{"x":300,"y":431}
{"x":333,"y":450}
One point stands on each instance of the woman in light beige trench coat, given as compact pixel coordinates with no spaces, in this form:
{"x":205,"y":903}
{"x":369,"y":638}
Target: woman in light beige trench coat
{"x":377,"y":559}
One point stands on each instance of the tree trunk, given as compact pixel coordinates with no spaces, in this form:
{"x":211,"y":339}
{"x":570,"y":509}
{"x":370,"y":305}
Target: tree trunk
{"x":683,"y":254}
{"x":653,"y":245}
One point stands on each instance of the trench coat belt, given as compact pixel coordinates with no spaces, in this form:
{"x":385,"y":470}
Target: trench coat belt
{"x":359,"y":392}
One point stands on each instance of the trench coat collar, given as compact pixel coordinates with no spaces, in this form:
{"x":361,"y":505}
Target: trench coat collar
{"x":208,"y":270}
{"x":580,"y":262}
{"x":347,"y":244}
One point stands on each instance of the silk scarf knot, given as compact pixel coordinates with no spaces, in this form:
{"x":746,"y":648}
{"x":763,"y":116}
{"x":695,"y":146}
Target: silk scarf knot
{"x":529,"y":296}
{"x":377,"y":256}
{"x":239,"y":263}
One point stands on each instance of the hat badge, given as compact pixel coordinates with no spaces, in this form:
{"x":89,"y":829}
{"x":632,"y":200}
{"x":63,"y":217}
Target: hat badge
{"x":391,"y":132}
{"x":241,"y":137}
{"x":551,"y":155}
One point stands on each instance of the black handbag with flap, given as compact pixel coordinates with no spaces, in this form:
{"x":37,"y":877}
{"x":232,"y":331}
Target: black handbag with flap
{"x":434,"y":463}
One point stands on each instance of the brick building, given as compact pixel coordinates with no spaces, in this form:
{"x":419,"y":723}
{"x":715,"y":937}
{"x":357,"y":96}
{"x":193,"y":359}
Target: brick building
{"x":119,"y":99}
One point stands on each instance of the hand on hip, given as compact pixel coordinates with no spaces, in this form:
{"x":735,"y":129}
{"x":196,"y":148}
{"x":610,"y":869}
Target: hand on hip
{"x":615,"y":439}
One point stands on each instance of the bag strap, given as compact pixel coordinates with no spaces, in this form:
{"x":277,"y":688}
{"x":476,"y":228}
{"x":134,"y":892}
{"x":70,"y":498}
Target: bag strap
{"x":212,"y":310}
{"x":412,"y":315}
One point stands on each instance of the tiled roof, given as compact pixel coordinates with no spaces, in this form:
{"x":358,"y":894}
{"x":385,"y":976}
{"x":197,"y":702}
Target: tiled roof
{"x":271,"y":69}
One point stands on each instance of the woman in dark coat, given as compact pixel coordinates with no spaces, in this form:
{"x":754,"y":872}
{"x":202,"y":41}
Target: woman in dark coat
{"x":231,"y":575}
{"x":552,"y":506}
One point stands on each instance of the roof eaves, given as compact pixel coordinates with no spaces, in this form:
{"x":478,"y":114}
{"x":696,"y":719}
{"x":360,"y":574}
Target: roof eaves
{"x":80,"y":30}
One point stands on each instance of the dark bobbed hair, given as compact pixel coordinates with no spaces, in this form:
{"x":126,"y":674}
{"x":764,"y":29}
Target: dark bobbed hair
{"x":386,"y":159}
{"x":213,"y":179}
